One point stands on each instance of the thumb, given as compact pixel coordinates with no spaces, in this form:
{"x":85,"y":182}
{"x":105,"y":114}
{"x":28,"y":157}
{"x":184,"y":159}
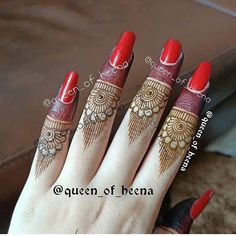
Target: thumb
{"x":181,"y":216}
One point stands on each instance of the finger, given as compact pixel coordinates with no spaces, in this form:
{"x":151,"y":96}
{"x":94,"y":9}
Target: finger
{"x":180,"y":218}
{"x":53,"y":142}
{"x":90,"y":142}
{"x":139,"y":124}
{"x":167,"y":152}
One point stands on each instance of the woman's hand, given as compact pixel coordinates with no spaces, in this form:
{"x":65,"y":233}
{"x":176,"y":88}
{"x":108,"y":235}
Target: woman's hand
{"x":92,"y":188}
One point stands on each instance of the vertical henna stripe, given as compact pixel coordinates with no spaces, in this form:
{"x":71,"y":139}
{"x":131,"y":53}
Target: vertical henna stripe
{"x":102,"y":103}
{"x":148,"y":102}
{"x":175,"y":136}
{"x":53,"y":135}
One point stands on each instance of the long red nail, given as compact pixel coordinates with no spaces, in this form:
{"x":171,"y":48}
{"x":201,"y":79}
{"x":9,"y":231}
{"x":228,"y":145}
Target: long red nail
{"x":200,"y":204}
{"x":67,"y":94}
{"x":123,"y":49}
{"x":200,"y":78}
{"x":171,"y":52}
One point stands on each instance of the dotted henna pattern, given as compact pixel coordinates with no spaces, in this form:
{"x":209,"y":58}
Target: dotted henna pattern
{"x":53,"y":135}
{"x":175,"y":136}
{"x":101,"y":104}
{"x":150,"y":99}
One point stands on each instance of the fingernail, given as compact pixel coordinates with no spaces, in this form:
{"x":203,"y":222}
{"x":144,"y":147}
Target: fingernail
{"x":67,"y":91}
{"x":123,"y":49}
{"x":201,"y":76}
{"x":171,"y":52}
{"x":199,"y":205}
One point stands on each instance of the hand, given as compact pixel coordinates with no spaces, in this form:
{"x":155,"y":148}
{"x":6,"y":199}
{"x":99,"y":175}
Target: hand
{"x":81,"y":188}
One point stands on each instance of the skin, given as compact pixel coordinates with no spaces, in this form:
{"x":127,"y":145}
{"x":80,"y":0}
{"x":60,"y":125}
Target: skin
{"x":40,"y":210}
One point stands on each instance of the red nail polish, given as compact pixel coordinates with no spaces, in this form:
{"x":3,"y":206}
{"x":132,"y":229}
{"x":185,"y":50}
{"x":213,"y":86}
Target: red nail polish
{"x":171,"y":52}
{"x":200,"y":78}
{"x":68,"y":90}
{"x":123,"y":49}
{"x":199,"y":205}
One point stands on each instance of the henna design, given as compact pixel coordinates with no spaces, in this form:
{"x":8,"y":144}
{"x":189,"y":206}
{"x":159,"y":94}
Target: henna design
{"x":53,"y":135}
{"x":150,"y":99}
{"x":175,"y":135}
{"x":102,"y":103}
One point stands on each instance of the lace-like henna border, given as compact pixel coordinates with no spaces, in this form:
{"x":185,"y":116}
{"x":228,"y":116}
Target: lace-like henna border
{"x":101,"y":104}
{"x":175,"y":136}
{"x":150,"y":99}
{"x":53,"y":135}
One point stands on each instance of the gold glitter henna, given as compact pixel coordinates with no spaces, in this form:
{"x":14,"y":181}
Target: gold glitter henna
{"x":175,"y":136}
{"x":53,"y":135}
{"x":150,"y":99}
{"x":102,"y":103}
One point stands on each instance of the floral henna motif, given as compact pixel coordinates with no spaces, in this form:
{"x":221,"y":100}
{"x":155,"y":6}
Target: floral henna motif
{"x":102,"y":103}
{"x":53,"y":135}
{"x":175,"y":136}
{"x":150,"y":99}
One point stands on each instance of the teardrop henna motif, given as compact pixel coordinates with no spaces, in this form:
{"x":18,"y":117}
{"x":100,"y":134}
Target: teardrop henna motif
{"x":101,"y":104}
{"x":150,"y":99}
{"x":53,"y":135}
{"x":175,"y":136}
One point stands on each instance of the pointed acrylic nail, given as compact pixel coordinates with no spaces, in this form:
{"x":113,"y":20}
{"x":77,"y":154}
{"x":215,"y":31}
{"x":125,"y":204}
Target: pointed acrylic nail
{"x":68,"y":91}
{"x":123,"y":49}
{"x":181,"y":216}
{"x":200,"y":78}
{"x":199,"y":205}
{"x":171,"y":52}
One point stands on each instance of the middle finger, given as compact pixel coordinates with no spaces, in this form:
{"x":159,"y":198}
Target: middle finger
{"x":139,"y":124}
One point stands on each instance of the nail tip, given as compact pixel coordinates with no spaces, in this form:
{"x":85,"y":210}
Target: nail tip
{"x":172,"y":40}
{"x":130,"y":33}
{"x":127,"y":36}
{"x":209,"y":193}
{"x":73,"y":74}
{"x":206,"y":66}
